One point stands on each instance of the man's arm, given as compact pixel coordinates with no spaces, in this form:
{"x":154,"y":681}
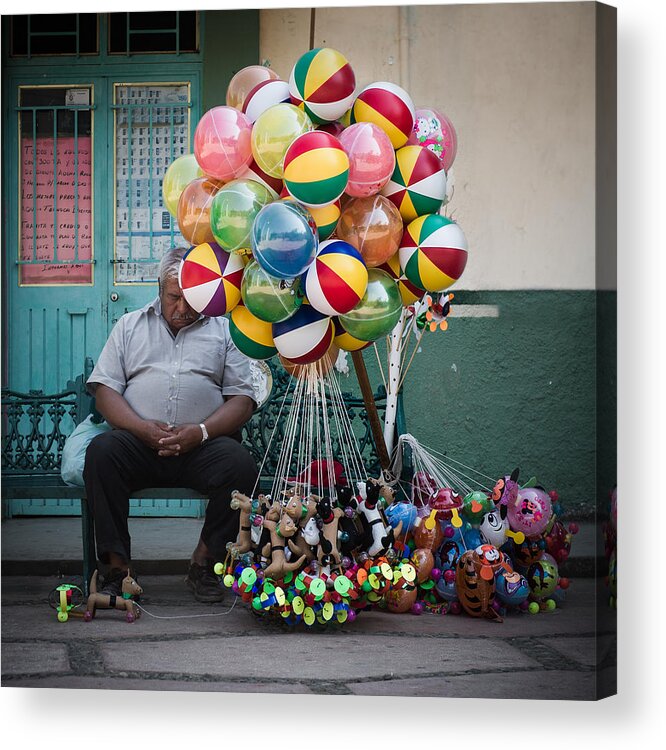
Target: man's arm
{"x":118,"y":413}
{"x":233,"y":413}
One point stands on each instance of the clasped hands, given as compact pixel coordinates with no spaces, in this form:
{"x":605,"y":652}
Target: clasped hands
{"x":170,"y":440}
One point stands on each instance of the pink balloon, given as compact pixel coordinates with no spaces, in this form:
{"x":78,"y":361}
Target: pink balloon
{"x":435,"y":131}
{"x":371,"y":158}
{"x":222,"y":143}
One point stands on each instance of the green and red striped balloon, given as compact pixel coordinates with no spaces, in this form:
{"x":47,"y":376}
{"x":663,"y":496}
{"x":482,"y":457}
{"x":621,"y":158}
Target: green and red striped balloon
{"x":418,"y":183}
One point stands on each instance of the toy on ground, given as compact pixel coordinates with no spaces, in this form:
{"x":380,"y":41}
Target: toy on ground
{"x":67,"y":599}
{"x":125,"y":603}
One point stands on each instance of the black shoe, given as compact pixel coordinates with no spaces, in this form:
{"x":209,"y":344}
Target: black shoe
{"x":204,"y":584}
{"x":113,"y":582}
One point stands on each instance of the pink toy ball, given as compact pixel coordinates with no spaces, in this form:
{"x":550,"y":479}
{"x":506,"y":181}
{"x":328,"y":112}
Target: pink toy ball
{"x":337,"y":279}
{"x":530,"y":512}
{"x":222,"y":143}
{"x":263,"y":96}
{"x":434,"y":131}
{"x":371,"y":158}
{"x":389,"y":106}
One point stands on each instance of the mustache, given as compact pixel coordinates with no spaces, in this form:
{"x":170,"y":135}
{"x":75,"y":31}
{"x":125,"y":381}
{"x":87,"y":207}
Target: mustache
{"x":175,"y":316}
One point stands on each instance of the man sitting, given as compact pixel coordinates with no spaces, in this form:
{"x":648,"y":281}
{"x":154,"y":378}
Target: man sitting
{"x":176,"y":390}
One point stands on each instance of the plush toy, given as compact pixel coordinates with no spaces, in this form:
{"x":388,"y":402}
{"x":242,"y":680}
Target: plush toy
{"x":130,"y":589}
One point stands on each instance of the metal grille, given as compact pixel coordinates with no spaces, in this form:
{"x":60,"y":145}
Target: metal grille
{"x":151,"y":129}
{"x":55,"y":167}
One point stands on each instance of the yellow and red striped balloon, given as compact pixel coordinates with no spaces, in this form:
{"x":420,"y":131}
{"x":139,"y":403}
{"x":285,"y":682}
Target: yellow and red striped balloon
{"x":389,"y":106}
{"x":433,"y":252}
{"x":322,"y":83}
{"x":418,"y":183}
{"x":337,"y":279}
{"x":211,"y":279}
{"x":316,"y":169}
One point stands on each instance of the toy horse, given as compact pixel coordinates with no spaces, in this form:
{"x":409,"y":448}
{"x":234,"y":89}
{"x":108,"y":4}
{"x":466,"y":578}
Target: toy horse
{"x":130,"y":589}
{"x":280,"y":531}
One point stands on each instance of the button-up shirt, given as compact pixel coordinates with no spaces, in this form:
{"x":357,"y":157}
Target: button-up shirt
{"x":176,"y":379}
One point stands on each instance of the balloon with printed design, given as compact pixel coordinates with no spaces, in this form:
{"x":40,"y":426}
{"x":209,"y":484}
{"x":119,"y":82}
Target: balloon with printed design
{"x":434,"y":131}
{"x":305,"y":336}
{"x":233,"y":211}
{"x":337,"y":279}
{"x":378,"y":311}
{"x":316,"y":169}
{"x":179,"y":174}
{"x":389,"y":106}
{"x":344,"y":340}
{"x":269,"y":298}
{"x":273,"y":132}
{"x":433,"y":252}
{"x":194,"y":207}
{"x":418,"y":183}
{"x":245,"y":80}
{"x":263,"y":96}
{"x":222,"y":143}
{"x":371,"y":158}
{"x":253,"y":337}
{"x":322,"y":83}
{"x":211,"y":279}
{"x":284,"y":239}
{"x":410,"y":293}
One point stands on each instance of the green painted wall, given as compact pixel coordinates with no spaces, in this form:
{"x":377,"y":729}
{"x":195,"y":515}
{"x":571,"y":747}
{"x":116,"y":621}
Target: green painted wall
{"x":231,"y":42}
{"x":516,"y":390}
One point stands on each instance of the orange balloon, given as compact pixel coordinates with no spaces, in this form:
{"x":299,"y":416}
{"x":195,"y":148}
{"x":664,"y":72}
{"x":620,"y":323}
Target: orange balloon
{"x":321,"y":366}
{"x":194,"y":210}
{"x":399,"y":600}
{"x":426,"y":538}
{"x":373,"y":226}
{"x":423,"y":561}
{"x":245,"y":80}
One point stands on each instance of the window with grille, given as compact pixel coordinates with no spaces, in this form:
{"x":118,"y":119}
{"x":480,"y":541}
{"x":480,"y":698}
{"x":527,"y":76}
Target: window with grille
{"x":54,"y":34}
{"x":145,"y":33}
{"x":55,"y":182}
{"x":151,"y":129}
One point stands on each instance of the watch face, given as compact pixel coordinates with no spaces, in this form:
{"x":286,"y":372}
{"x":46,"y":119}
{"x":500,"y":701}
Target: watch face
{"x":262,"y":380}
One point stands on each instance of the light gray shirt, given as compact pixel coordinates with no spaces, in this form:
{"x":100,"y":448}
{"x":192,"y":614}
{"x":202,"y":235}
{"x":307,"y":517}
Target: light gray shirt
{"x":174,"y":379}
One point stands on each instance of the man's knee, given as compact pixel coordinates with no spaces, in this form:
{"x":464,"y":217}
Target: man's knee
{"x":236,"y":465}
{"x":102,"y":450}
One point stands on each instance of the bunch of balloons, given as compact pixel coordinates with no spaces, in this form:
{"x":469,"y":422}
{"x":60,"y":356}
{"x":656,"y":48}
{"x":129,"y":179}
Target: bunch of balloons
{"x":484,"y":553}
{"x":313,"y":209}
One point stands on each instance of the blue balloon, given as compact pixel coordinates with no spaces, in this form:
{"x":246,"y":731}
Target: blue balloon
{"x":447,"y":591}
{"x":284,"y":239}
{"x":472,"y":538}
{"x":511,"y":588}
{"x":404,"y":512}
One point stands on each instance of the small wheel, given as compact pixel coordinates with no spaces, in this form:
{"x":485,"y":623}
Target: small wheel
{"x":63,"y":616}
{"x":87,"y":616}
{"x":130,"y":617}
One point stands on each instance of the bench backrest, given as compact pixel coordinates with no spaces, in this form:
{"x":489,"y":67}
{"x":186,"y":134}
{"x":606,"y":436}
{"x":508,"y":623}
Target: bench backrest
{"x":35,"y":426}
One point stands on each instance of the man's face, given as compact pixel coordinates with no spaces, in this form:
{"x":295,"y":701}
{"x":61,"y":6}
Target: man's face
{"x":175,"y":309}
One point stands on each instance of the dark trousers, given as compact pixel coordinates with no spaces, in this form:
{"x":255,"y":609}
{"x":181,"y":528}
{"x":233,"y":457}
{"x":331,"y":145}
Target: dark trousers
{"x":118,"y":464}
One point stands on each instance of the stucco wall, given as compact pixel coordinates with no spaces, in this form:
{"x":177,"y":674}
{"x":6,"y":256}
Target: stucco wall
{"x":518,"y":82}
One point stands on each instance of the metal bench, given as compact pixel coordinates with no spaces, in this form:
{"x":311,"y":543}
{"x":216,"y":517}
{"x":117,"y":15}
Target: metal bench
{"x":35,"y":426}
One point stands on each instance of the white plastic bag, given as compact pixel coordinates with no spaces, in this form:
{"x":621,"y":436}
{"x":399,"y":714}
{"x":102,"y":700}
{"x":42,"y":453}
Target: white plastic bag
{"x":74,"y":450}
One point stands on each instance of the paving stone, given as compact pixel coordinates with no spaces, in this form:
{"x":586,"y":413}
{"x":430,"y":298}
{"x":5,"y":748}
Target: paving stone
{"x":34,"y":658}
{"x":587,"y":651}
{"x":119,"y":683}
{"x":550,"y":684}
{"x":318,"y":656}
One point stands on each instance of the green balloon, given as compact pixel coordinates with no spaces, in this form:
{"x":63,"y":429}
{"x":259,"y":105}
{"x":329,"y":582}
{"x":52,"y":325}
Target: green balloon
{"x":476,"y":505}
{"x":268,"y":298}
{"x":378,"y":311}
{"x":233,"y":210}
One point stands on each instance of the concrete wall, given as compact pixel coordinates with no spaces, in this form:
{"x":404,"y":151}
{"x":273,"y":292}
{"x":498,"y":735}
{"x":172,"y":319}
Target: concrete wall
{"x":518,"y":82}
{"x":534,"y":386}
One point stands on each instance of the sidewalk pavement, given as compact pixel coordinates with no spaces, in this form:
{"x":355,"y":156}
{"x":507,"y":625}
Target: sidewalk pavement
{"x":190,"y":646}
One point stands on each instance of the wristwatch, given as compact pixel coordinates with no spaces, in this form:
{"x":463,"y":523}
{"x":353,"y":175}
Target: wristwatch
{"x":204,"y":432}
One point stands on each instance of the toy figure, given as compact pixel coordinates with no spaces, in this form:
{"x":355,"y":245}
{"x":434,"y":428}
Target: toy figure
{"x":380,"y":538}
{"x":328,"y":552}
{"x":495,"y":529}
{"x":506,"y":489}
{"x":280,"y":530}
{"x":249,"y":513}
{"x":130,"y":589}
{"x":474,"y":592}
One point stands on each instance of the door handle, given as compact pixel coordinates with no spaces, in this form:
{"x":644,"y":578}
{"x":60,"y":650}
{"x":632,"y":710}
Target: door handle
{"x":113,"y":296}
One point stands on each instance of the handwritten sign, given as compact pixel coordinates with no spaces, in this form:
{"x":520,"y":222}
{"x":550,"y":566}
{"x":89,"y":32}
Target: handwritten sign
{"x":56,"y":210}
